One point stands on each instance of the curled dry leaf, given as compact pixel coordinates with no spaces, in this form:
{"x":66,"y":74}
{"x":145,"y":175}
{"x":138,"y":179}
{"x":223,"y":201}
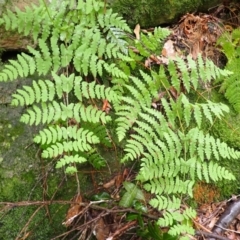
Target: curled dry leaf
{"x":168,"y":50}
{"x":101,"y":230}
{"x":109,"y":184}
{"x":137,"y":30}
{"x":73,"y":211}
{"x":117,"y":180}
{"x":212,"y":223}
{"x":106,"y":106}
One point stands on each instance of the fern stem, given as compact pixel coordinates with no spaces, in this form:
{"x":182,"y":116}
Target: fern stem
{"x":44,"y":3}
{"x":78,"y":183}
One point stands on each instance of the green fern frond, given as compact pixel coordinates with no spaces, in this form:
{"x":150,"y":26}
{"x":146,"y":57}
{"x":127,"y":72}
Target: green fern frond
{"x":191,"y":72}
{"x":23,"y":21}
{"x":54,"y":111}
{"x":166,"y":203}
{"x":178,"y":229}
{"x":151,"y":43}
{"x":169,"y":218}
{"x":59,"y":148}
{"x":52,"y":135}
{"x":42,"y":91}
{"x":96,"y":159}
{"x":21,"y":67}
{"x":196,"y":140}
{"x":66,"y":160}
{"x":169,"y":185}
{"x":100,"y":131}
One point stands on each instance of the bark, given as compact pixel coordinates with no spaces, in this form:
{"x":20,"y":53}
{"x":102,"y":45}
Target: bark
{"x":226,"y":218}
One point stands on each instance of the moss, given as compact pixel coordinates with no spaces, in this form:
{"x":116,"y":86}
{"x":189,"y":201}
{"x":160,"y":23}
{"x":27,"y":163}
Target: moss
{"x":149,"y":13}
{"x":47,"y":222}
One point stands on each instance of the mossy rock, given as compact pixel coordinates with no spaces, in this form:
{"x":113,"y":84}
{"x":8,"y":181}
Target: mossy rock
{"x":151,"y":13}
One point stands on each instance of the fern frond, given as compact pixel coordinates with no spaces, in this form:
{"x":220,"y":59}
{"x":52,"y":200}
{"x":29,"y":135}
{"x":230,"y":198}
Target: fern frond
{"x":169,"y":186}
{"x":52,"y":135}
{"x":59,"y":148}
{"x":66,"y":160}
{"x":169,"y":218}
{"x":178,"y":229}
{"x":166,"y":203}
{"x":21,"y":67}
{"x":42,"y":91}
{"x":96,"y":159}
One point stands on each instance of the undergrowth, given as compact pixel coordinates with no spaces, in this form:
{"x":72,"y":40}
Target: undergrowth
{"x":93,"y":87}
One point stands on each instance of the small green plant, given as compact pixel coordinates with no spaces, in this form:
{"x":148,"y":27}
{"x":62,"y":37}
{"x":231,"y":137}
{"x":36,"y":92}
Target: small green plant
{"x":83,"y":58}
{"x":229,"y":43}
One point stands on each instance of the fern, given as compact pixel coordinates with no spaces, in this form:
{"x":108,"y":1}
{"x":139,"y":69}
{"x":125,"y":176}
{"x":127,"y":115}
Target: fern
{"x":170,"y":143}
{"x":229,"y":86}
{"x":83,"y":57}
{"x":87,"y":44}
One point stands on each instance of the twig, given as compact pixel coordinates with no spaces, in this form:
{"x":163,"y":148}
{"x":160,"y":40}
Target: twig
{"x":77,"y":180}
{"x":229,"y":230}
{"x":88,"y":205}
{"x":28,"y":222}
{"x":210,"y":235}
{"x":123,"y":229}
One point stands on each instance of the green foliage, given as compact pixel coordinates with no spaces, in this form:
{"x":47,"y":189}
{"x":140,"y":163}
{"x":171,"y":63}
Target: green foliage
{"x":17,"y":189}
{"x":173,"y":149}
{"x":82,"y":59}
{"x":229,"y":43}
{"x":132,"y":193}
{"x":85,"y":37}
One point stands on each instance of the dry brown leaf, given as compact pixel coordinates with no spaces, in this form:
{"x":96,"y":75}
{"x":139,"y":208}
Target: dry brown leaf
{"x":137,"y":30}
{"x":119,"y":180}
{"x":168,"y":50}
{"x":106,"y":106}
{"x":101,"y":230}
{"x":147,"y":62}
{"x":232,"y":236}
{"x":125,"y":173}
{"x":109,"y":184}
{"x":174,"y":92}
{"x":73,"y":211}
{"x":212,"y":223}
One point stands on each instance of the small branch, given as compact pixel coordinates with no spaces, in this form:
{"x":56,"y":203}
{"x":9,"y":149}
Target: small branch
{"x":121,"y":230}
{"x":210,"y":235}
{"x":28,"y":222}
{"x":229,"y":230}
{"x":88,"y":205}
{"x":227,"y":217}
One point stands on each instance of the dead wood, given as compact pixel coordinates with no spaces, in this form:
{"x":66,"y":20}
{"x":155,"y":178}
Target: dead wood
{"x":226,"y":218}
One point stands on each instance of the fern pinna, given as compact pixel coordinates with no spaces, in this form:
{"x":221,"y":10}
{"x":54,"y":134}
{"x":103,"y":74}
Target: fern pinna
{"x":151,"y":108}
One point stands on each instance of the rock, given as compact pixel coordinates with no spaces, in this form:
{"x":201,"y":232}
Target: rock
{"x":152,"y":13}
{"x":11,"y":40}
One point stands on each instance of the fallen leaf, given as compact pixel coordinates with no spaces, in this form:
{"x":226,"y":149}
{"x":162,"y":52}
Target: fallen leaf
{"x":137,"y":31}
{"x":212,"y":223}
{"x":168,"y":50}
{"x":174,"y":92}
{"x":101,"y":230}
{"x":73,"y":211}
{"x":109,"y":184}
{"x":106,"y":106}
